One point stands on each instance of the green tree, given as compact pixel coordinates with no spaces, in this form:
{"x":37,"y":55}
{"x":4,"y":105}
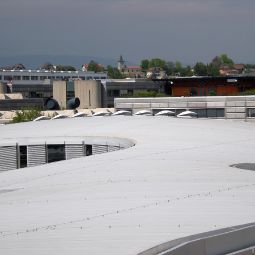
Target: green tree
{"x":217,"y":62}
{"x":95,"y":67}
{"x":186,"y":71}
{"x":47,"y":66}
{"x":200,"y":69}
{"x":169,"y":68}
{"x":157,"y":62}
{"x":145,"y":64}
{"x":249,"y":92}
{"x":226,"y":60}
{"x":114,"y":73}
{"x":213,"y":70}
{"x":178,"y":68}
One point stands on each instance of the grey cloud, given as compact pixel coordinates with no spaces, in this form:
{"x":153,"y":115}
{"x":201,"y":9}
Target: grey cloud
{"x":188,"y":30}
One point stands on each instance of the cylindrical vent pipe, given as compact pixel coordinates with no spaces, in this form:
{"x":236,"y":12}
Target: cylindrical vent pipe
{"x":73,"y":103}
{"x":51,"y":104}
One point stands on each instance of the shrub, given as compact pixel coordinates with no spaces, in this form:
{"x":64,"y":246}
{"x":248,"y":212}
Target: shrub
{"x":27,"y":114}
{"x":150,"y":93}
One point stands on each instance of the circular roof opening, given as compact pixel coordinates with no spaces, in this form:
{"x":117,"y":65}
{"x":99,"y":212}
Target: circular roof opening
{"x":245,"y":166}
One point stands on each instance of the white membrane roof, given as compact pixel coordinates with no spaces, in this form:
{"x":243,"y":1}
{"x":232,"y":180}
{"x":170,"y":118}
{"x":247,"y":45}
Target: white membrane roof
{"x":175,"y":182}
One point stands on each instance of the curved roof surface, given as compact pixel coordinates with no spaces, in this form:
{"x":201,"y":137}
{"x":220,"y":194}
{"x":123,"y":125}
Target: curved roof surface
{"x":175,"y":182}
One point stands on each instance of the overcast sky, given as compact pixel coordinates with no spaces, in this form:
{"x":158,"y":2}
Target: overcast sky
{"x":185,"y":30}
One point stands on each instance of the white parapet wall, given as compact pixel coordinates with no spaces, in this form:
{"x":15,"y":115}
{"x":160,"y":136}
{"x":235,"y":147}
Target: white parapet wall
{"x":234,"y":107}
{"x":239,"y":240}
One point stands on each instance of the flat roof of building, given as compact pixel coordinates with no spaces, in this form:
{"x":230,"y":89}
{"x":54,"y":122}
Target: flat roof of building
{"x":176,"y":181}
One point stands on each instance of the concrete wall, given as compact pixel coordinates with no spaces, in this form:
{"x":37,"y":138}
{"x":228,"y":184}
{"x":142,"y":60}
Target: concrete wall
{"x":59,"y":93}
{"x":89,"y":93}
{"x":3,"y":88}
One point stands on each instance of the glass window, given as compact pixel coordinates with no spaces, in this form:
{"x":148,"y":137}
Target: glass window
{"x":113,"y":93}
{"x":216,"y":112}
{"x":251,"y":112}
{"x":42,"y":78}
{"x":109,"y":92}
{"x":17,"y":78}
{"x":88,"y":149}
{"x":130,"y":92}
{"x":123,"y":92}
{"x":70,"y":90}
{"x":25,"y":78}
{"x":7,"y":78}
{"x":23,"y":156}
{"x":201,"y":113}
{"x":34,"y":78}
{"x":56,"y":152}
{"x":32,"y":94}
{"x":220,"y":113}
{"x":116,"y":93}
{"x":211,"y":113}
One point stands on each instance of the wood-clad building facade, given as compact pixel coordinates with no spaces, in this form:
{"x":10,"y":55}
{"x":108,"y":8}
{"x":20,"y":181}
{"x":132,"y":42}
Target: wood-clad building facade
{"x":208,"y":86}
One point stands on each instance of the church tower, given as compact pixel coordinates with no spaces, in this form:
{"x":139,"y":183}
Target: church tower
{"x":121,"y":63}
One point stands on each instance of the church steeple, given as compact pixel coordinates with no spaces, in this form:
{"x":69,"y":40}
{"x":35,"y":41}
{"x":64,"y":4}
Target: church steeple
{"x":121,"y":63}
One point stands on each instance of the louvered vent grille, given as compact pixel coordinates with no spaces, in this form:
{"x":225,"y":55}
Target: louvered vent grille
{"x":8,"y":158}
{"x":98,"y":149}
{"x":113,"y":148}
{"x":36,"y":155}
{"x":74,"y":151}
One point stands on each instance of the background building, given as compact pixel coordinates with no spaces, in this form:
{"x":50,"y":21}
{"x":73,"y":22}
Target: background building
{"x":88,"y":92}
{"x":129,"y":71}
{"x":126,"y":88}
{"x":208,"y":86}
{"x":31,"y":88}
{"x":38,"y":83}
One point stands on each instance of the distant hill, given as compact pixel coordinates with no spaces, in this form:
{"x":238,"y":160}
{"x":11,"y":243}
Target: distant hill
{"x":35,"y":61}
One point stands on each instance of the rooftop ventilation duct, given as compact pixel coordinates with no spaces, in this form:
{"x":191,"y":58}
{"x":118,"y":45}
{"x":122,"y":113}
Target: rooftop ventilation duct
{"x":51,"y":104}
{"x":73,"y":103}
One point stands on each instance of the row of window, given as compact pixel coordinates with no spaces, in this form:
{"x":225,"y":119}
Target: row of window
{"x":35,"y":78}
{"x":119,"y":92}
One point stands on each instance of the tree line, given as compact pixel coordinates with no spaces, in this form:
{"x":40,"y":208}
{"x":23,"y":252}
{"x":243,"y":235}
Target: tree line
{"x":171,"y":68}
{"x":177,"y":68}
